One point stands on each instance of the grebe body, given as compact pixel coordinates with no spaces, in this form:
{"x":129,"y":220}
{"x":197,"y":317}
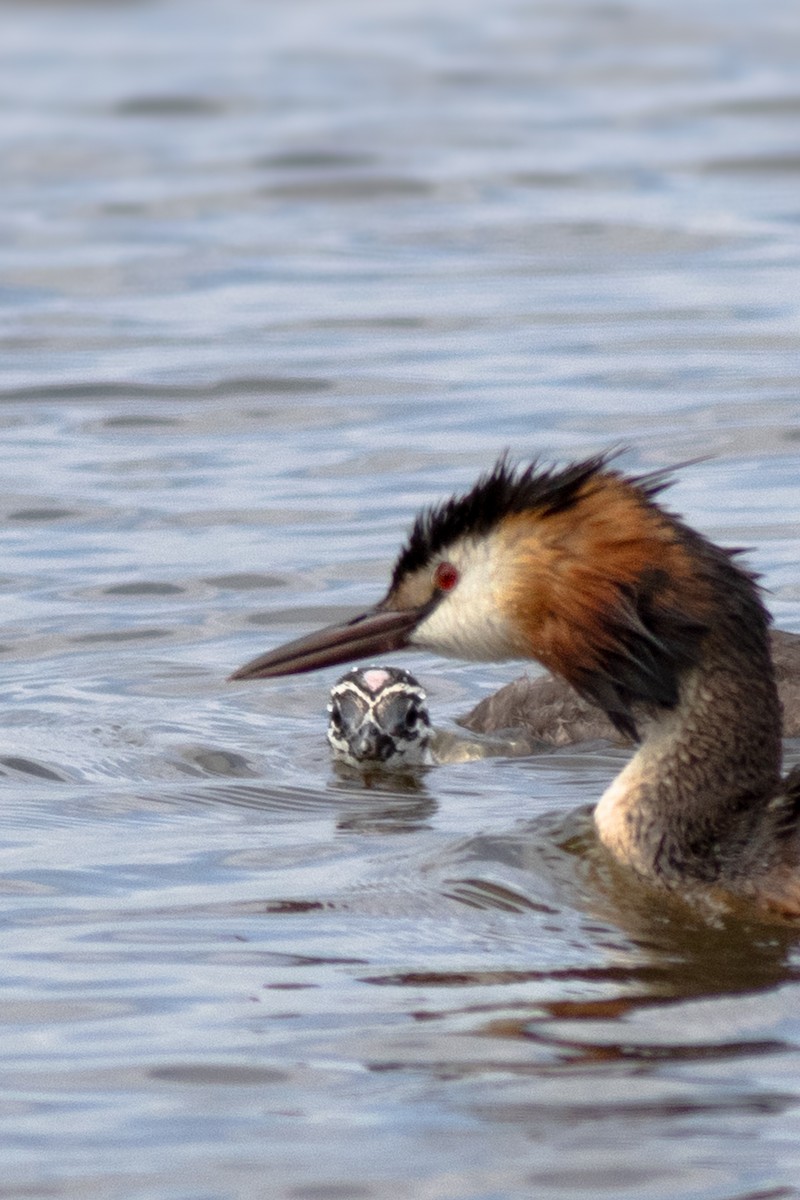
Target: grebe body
{"x":549,"y":711}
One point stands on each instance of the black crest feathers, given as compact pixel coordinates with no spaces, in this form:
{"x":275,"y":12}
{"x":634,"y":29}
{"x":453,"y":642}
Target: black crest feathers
{"x":502,"y":492}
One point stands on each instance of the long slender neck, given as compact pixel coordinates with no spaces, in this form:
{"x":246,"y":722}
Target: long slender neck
{"x":690,"y":802}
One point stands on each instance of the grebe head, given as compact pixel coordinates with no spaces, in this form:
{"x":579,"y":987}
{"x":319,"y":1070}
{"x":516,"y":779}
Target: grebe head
{"x":379,"y":715}
{"x":577,"y":567}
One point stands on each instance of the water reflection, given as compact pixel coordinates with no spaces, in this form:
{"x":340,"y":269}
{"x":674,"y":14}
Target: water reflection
{"x":375,"y":802}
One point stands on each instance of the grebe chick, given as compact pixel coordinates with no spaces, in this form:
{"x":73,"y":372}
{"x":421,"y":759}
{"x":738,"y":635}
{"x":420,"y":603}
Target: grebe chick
{"x":378,"y":717}
{"x":581,"y":569}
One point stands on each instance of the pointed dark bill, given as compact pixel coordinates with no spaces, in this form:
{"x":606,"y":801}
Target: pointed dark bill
{"x":377,"y":631}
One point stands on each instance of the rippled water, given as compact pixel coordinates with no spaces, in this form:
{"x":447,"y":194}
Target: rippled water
{"x":274,"y":275}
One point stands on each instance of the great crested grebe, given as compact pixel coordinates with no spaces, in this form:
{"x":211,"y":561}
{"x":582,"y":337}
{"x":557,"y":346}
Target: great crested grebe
{"x":581,"y":569}
{"x":378,"y":718}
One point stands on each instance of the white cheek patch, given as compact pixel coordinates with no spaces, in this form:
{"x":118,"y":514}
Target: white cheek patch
{"x":470,"y":621}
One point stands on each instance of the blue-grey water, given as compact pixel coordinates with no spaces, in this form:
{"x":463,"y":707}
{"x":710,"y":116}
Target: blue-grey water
{"x":273,"y":275}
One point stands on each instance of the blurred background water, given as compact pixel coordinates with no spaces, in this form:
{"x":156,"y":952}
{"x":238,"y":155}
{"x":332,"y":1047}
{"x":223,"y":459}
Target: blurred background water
{"x":273,"y":275}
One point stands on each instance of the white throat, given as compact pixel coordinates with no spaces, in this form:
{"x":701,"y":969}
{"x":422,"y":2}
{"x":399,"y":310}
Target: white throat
{"x":470,"y":621}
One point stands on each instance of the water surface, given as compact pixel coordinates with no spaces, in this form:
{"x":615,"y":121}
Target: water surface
{"x":274,"y":276}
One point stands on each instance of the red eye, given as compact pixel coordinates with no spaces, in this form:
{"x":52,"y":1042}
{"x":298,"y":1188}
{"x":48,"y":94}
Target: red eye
{"x":445,"y":577}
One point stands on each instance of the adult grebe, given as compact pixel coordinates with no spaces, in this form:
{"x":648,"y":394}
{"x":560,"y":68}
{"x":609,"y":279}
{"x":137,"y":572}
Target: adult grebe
{"x":581,"y":569}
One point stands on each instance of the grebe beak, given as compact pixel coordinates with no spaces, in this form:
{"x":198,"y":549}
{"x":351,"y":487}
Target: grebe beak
{"x":374,"y":632}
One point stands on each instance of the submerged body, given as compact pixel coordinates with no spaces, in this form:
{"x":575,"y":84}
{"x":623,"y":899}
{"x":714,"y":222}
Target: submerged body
{"x":663,"y":631}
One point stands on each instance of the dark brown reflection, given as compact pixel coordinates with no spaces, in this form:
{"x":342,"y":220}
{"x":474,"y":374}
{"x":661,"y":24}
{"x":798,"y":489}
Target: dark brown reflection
{"x":380,"y":802}
{"x":664,"y":954}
